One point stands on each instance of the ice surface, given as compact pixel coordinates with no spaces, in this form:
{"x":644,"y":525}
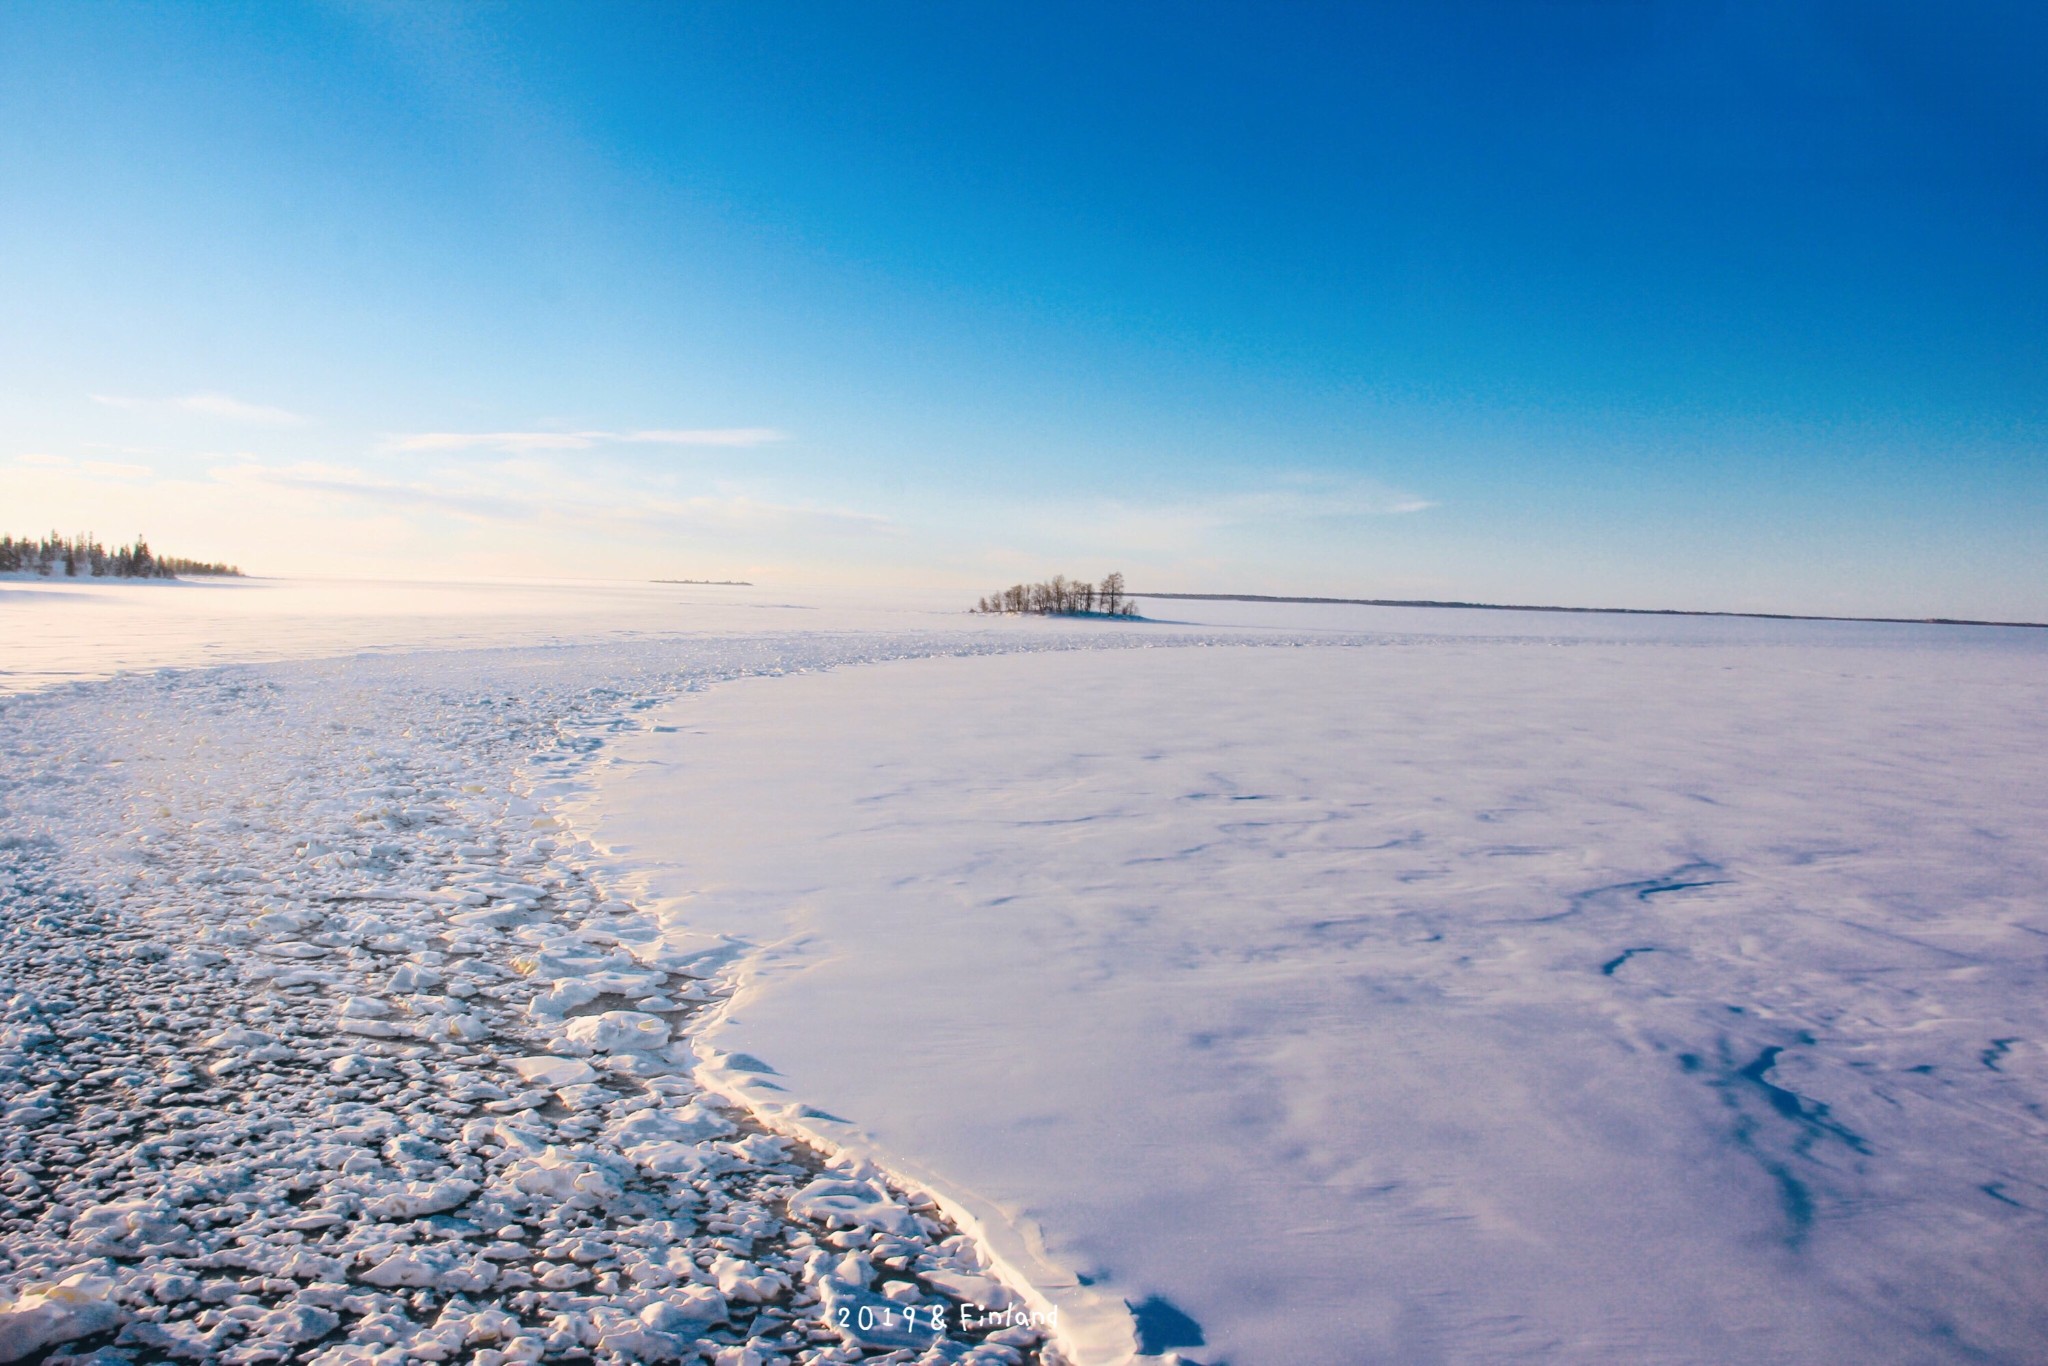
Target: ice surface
{"x":1379,"y":986}
{"x":46,"y":1313}
{"x":271,"y":939}
{"x":61,"y":629}
{"x":1671,"y":1000}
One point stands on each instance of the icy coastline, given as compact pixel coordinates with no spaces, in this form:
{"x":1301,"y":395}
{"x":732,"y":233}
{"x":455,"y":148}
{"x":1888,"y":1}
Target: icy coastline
{"x":321,"y":1043}
{"x":331,"y":1034}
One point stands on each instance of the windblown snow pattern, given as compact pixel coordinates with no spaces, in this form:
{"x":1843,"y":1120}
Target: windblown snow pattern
{"x":762,"y":980}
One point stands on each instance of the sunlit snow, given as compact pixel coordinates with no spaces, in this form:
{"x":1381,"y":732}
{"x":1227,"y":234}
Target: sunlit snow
{"x":1270,"y":984}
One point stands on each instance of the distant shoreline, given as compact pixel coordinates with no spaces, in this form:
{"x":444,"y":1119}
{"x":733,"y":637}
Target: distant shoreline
{"x":1616,"y":611}
{"x":708,"y":583}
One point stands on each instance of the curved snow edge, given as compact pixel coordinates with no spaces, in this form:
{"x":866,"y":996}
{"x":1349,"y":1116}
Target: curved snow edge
{"x":1090,"y":1328}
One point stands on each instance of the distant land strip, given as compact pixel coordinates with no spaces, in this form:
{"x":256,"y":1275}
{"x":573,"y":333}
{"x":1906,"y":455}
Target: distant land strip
{"x":709,"y":583}
{"x":1618,"y":611}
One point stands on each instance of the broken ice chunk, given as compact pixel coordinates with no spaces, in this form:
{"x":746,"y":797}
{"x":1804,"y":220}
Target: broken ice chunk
{"x":430,"y":1268}
{"x":415,"y":977}
{"x":50,"y":1312}
{"x":546,"y":1070}
{"x":860,"y":1204}
{"x":619,"y":1030}
{"x":419,"y":1198}
{"x":747,"y":1282}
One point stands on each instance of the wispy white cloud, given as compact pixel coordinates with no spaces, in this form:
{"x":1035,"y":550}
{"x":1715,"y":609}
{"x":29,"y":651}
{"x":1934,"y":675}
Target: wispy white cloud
{"x":1306,"y":496}
{"x":220,"y":405}
{"x":336,"y":481}
{"x":205,"y":404}
{"x":512,"y":494}
{"x":521,"y":443}
{"x":96,"y":469}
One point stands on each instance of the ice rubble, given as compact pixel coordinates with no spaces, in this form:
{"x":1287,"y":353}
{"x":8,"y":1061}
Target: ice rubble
{"x":319,"y":1042}
{"x":321,"y":1039}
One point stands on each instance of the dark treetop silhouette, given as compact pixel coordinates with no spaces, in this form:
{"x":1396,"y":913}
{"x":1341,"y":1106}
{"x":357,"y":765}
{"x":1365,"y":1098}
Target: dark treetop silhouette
{"x":1063,"y":597}
{"x":84,"y":555}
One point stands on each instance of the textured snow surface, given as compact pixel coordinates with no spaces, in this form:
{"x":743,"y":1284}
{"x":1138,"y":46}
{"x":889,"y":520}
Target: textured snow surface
{"x":785,"y":981}
{"x":1471,"y":1000}
{"x":320,"y":1039}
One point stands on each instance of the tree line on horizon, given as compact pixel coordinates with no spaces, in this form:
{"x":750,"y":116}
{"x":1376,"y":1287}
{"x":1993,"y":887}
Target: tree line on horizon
{"x":1060,"y":596}
{"x":84,"y":555}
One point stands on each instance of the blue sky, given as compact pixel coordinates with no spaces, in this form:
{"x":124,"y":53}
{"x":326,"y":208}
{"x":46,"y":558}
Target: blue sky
{"x":1714,"y":305}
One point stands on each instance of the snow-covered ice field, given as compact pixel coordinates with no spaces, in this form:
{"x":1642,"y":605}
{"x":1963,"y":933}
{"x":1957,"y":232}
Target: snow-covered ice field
{"x":58,"y":630}
{"x":1677,"y":1000}
{"x":1301,"y":985}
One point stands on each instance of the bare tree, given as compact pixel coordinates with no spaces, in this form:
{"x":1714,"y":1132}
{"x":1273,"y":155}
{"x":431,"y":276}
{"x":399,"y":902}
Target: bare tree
{"x":1062,"y":596}
{"x":1113,"y":594}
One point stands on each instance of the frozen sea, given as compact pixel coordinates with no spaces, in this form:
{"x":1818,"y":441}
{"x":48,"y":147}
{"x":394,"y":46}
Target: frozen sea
{"x":1288,"y":984}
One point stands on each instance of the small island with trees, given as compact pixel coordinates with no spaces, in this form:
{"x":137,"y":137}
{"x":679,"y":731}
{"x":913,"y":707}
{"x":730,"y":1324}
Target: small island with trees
{"x":84,"y":557}
{"x":1060,"y":596}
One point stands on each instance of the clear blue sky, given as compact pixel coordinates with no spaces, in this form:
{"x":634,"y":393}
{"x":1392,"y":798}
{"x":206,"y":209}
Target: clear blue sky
{"x":1717,"y":305}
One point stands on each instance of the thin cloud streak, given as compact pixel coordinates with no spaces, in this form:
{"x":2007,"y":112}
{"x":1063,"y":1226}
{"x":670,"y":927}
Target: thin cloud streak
{"x":519,"y":443}
{"x":220,"y":405}
{"x":98,"y":469}
{"x":722,"y":513}
{"x":331,"y":481}
{"x":1315,"y":498}
{"x":205,"y":404}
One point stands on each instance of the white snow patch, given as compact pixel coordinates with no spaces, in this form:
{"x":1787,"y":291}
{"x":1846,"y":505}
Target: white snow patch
{"x":49,"y":1312}
{"x":546,"y":1070}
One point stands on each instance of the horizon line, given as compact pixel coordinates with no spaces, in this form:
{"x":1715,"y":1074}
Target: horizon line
{"x":1619,"y":611}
